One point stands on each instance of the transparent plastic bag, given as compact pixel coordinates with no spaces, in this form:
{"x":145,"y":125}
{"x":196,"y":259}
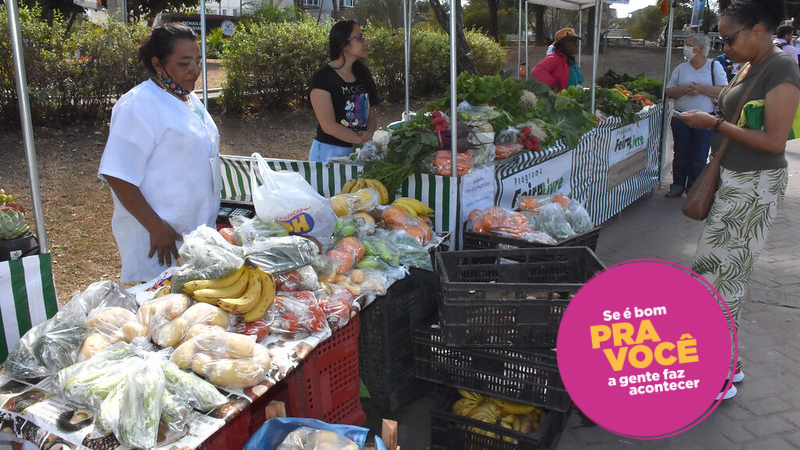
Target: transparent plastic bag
{"x":104,"y":327}
{"x":395,"y":218}
{"x":305,"y":438}
{"x":293,"y":312}
{"x":551,"y":218}
{"x":301,"y":279}
{"x":378,"y":246}
{"x":249,"y":230}
{"x":189,"y":387}
{"x":411,"y":252}
{"x":370,"y":151}
{"x":206,"y":255}
{"x":225,"y":359}
{"x":48,"y":347}
{"x":353,"y":225}
{"x":365,"y":199}
{"x":337,"y":302}
{"x":441,"y":163}
{"x":508,"y":136}
{"x":578,"y":218}
{"x":142,"y":404}
{"x":173,"y":332}
{"x":282,"y":254}
{"x":346,"y":253}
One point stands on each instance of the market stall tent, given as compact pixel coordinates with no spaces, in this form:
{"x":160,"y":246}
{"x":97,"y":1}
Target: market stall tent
{"x":27,"y":290}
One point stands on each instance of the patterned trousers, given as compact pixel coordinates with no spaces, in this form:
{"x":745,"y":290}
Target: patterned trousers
{"x":744,"y":209}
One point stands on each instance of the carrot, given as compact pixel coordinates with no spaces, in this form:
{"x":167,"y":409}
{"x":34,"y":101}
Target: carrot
{"x":528,"y":204}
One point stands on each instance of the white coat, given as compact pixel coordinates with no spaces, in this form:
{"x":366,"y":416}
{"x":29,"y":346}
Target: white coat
{"x":160,"y":144}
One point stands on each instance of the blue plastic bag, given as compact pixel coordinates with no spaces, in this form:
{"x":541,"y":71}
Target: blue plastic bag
{"x":275,"y":430}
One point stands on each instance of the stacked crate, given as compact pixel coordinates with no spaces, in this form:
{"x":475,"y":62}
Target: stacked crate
{"x":499,"y":313}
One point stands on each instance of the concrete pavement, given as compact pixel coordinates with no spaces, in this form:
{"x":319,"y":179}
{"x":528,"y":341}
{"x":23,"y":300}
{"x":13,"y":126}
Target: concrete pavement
{"x":766,"y":412}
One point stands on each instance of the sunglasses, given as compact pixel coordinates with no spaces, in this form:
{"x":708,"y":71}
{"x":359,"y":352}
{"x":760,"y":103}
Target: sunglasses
{"x":728,"y":40}
{"x":359,"y":36}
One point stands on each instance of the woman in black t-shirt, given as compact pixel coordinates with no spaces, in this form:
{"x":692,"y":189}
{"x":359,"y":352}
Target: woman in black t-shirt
{"x":341,"y":94}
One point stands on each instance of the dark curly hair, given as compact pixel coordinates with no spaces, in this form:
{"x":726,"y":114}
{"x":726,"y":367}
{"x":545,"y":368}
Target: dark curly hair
{"x":161,"y":42}
{"x":769,"y":13}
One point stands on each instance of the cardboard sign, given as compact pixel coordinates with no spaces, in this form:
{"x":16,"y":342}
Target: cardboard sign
{"x":477,"y":190}
{"x":627,"y":140}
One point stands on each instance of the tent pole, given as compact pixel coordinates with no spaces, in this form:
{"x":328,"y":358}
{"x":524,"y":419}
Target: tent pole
{"x":453,"y":98}
{"x":519,"y":36}
{"x":580,"y":33}
{"x":527,"y":72}
{"x":203,"y":50}
{"x":598,"y":9}
{"x":664,"y":120}
{"x":18,"y":57}
{"x":406,"y":50}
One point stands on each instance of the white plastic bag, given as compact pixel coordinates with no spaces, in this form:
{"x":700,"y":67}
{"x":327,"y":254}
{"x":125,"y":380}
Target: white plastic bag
{"x":287,"y":197}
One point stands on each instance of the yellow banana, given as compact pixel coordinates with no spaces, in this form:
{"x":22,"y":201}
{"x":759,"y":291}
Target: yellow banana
{"x":248,"y":300}
{"x":474,"y":396}
{"x":508,"y":407}
{"x":368,"y":220}
{"x":267,"y":296}
{"x":487,"y":412}
{"x":360,"y":184}
{"x":348,"y":186}
{"x":419,"y":207}
{"x":525,"y":424}
{"x":463,"y":407}
{"x":234,"y":290}
{"x":405,"y":207}
{"x":225,"y":281}
{"x":383,"y":193}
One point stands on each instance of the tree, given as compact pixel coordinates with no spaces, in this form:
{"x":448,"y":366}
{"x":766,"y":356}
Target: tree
{"x":383,"y":12}
{"x":52,"y":7}
{"x":645,"y":23}
{"x":464,"y":62}
{"x":540,"y":38}
{"x":478,"y":16}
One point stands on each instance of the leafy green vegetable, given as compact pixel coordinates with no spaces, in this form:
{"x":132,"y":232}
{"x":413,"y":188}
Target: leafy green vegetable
{"x":189,"y":387}
{"x":564,"y":117}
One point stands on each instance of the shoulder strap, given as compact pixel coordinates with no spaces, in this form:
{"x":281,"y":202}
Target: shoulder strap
{"x":756,"y":77}
{"x":713,"y":83}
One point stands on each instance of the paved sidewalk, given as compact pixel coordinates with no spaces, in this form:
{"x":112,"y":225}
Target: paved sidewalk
{"x":766,"y":412}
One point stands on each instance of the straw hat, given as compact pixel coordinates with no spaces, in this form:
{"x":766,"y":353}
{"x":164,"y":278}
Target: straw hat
{"x":566,"y":33}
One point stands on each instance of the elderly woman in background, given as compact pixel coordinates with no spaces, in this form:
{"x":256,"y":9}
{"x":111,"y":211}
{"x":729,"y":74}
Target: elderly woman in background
{"x":753,"y":176}
{"x":558,"y":69}
{"x":162,"y":156}
{"x":695,"y":85}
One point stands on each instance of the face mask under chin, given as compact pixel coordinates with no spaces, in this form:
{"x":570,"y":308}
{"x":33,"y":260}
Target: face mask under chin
{"x":173,"y":86}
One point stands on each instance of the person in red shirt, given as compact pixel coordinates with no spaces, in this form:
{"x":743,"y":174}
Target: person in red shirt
{"x":555,"y":69}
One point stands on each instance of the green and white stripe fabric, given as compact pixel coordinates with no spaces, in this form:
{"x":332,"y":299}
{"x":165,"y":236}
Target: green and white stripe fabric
{"x":736,"y":229}
{"x":590,"y":169}
{"x":27,"y":297}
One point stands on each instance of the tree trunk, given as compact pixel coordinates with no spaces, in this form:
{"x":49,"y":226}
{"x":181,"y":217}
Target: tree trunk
{"x":493,"y":27}
{"x":590,"y":28}
{"x":464,"y":61}
{"x":539,"y":38}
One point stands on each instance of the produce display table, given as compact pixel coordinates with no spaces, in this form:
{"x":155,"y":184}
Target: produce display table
{"x":612,"y":167}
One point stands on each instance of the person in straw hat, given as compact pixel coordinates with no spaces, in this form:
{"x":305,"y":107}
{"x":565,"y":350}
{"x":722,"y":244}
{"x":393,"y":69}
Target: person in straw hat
{"x":558,"y":69}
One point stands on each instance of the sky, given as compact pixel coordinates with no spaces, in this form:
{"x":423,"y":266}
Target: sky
{"x":633,"y":5}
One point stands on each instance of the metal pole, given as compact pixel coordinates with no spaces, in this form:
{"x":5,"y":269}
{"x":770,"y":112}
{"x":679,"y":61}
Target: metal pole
{"x":527,"y":72}
{"x":453,"y":95}
{"x":664,"y":106}
{"x":519,"y":37}
{"x":407,"y":50}
{"x":25,"y":117}
{"x":605,"y":41}
{"x":598,"y":10}
{"x":580,"y":33}
{"x":203,"y":50}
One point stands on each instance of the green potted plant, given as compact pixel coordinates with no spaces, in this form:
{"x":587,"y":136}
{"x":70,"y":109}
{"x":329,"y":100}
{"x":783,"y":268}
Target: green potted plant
{"x":16,"y":239}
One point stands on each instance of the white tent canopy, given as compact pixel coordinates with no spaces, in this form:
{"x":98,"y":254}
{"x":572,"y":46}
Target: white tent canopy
{"x":572,"y":5}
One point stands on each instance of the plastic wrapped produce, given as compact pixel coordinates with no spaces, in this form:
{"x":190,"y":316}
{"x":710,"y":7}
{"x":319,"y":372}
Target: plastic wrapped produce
{"x":292,"y":312}
{"x":282,"y":254}
{"x":551,"y":219}
{"x":395,"y":218}
{"x":346,"y":253}
{"x":142,"y":405}
{"x":578,"y":218}
{"x":47,"y":348}
{"x":249,"y":230}
{"x":362,"y":200}
{"x":174,"y":411}
{"x":305,"y":438}
{"x":301,"y":279}
{"x":206,"y":255}
{"x":198,"y":392}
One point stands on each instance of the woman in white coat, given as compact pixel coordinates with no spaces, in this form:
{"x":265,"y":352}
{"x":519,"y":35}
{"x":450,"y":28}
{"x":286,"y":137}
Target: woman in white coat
{"x":162,"y":156}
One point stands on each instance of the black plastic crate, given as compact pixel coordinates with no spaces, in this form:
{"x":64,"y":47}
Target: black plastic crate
{"x":450,"y":431}
{"x":386,"y":341}
{"x":499,"y":298}
{"x":473,"y":240}
{"x":527,"y":376}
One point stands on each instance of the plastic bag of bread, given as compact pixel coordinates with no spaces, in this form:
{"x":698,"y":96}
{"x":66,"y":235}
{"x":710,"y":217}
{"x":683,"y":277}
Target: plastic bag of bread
{"x":305,"y":438}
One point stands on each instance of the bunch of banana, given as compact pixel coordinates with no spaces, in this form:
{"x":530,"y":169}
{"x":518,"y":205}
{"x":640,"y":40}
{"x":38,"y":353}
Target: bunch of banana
{"x":508,"y":414}
{"x":248,"y":291}
{"x":413,"y":206}
{"x":354,"y":185}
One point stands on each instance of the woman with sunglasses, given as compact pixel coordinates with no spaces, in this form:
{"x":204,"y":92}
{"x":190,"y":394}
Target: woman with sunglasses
{"x":753,"y":176}
{"x":341,"y":94}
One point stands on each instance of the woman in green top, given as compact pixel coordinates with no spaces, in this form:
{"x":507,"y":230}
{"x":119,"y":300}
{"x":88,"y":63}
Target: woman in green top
{"x":753,"y":176}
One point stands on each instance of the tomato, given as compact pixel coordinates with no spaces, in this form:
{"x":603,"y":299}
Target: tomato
{"x":290,"y":321}
{"x":317,"y":324}
{"x":259,"y":329}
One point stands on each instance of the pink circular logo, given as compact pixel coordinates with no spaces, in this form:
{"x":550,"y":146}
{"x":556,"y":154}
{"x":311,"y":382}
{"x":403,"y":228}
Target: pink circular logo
{"x":644,"y":349}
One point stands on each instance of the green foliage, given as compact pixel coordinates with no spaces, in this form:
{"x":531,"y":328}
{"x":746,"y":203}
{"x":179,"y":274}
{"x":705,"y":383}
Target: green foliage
{"x":269,"y":65}
{"x":646,"y":23}
{"x":388,"y":13}
{"x":489,"y":56}
{"x":215,"y":41}
{"x":69,"y":78}
{"x":271,"y":13}
{"x":476,"y":16}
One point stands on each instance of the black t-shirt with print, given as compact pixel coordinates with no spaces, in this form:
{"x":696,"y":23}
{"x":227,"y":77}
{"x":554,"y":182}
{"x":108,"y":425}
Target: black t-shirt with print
{"x":351,"y":101}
